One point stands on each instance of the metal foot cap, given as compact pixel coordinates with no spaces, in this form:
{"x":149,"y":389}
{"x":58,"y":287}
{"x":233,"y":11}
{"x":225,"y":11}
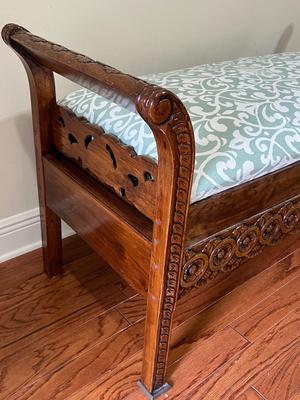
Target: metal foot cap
{"x":156,"y":393}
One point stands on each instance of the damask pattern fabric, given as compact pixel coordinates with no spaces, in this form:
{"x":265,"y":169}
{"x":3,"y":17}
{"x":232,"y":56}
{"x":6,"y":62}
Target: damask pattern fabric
{"x":245,"y":114}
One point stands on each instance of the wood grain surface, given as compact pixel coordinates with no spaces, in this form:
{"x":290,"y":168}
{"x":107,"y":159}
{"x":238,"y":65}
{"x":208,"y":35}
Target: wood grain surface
{"x":153,"y":264}
{"x":79,"y":336}
{"x":106,"y":158}
{"x":250,"y":394}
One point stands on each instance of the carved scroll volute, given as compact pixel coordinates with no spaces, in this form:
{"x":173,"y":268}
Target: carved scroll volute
{"x":42,"y":89}
{"x":173,"y":132}
{"x":9,"y":30}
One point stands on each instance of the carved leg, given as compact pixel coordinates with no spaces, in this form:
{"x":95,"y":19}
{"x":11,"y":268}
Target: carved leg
{"x":156,"y":346}
{"x":161,"y":302}
{"x":174,"y":137}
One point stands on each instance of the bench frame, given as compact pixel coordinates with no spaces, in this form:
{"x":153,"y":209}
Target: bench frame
{"x":128,"y":207}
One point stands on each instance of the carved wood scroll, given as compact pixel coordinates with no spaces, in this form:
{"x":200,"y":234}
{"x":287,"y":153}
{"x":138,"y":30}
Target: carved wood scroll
{"x":234,"y":246}
{"x":106,"y":158}
{"x":174,"y":135}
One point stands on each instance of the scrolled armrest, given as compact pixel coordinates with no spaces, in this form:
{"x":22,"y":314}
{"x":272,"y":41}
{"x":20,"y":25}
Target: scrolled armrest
{"x":161,"y":109}
{"x":9,"y":30}
{"x":102,"y":79}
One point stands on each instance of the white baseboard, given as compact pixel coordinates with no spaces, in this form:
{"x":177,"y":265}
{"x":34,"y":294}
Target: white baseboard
{"x":21,"y":233}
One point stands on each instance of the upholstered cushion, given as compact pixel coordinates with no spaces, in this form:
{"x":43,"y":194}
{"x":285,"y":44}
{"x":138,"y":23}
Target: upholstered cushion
{"x":245,"y":114}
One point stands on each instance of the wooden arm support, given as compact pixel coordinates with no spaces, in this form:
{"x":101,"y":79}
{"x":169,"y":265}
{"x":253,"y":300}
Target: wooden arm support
{"x":156,"y":105}
{"x":173,"y":132}
{"x":102,"y":79}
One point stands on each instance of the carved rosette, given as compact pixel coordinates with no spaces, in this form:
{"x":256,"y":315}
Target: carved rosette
{"x":233,"y":247}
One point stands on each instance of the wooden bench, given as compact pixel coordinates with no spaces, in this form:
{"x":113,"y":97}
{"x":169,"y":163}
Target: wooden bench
{"x":136,"y":212}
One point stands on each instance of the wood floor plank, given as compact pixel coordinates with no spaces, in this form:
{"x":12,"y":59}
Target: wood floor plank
{"x":60,"y":302}
{"x":126,"y":289}
{"x":226,"y":383}
{"x":64,"y":341}
{"x":229,"y":381}
{"x":216,"y":317}
{"x":234,"y":304}
{"x":14,"y":272}
{"x":282,"y":381}
{"x":64,"y":382}
{"x":269,"y":311}
{"x":20,"y":268}
{"x":74,"y":248}
{"x":193,"y":303}
{"x":197,"y":300}
{"x":250,"y":394}
{"x":206,"y":358}
{"x":38,"y":284}
{"x":133,"y":309}
{"x":51,"y":352}
{"x":228,"y":308}
{"x":76,"y":319}
{"x":117,"y":385}
{"x":296,"y":397}
{"x":179,"y":346}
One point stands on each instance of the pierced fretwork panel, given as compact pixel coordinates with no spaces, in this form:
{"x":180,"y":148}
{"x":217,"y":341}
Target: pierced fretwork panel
{"x":106,"y":158}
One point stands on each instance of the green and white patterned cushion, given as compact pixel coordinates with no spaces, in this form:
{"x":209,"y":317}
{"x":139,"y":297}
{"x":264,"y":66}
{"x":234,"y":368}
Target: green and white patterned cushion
{"x":245,"y":114}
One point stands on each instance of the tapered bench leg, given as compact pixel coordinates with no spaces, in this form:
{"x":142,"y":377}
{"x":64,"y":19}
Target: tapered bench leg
{"x":175,"y":142}
{"x":42,"y":90}
{"x":52,"y":242}
{"x":160,"y":310}
{"x":161,"y":301}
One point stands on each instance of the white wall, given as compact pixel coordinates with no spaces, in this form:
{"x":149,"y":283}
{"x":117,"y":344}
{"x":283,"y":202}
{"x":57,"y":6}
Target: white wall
{"x":137,"y":36}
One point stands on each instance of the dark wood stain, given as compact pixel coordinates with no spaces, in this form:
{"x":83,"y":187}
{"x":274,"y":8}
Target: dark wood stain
{"x":136,"y":214}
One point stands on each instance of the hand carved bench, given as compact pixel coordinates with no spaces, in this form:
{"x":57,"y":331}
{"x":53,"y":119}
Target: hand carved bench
{"x":136,"y":208}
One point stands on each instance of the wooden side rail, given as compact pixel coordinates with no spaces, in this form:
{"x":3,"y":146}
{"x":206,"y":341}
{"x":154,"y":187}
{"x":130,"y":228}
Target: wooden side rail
{"x":173,"y":132}
{"x":230,"y":207}
{"x":103,"y":220}
{"x":229,"y":249}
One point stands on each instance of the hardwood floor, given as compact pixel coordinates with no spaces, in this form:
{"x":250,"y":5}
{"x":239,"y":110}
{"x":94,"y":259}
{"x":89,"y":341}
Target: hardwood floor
{"x":79,"y":336}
